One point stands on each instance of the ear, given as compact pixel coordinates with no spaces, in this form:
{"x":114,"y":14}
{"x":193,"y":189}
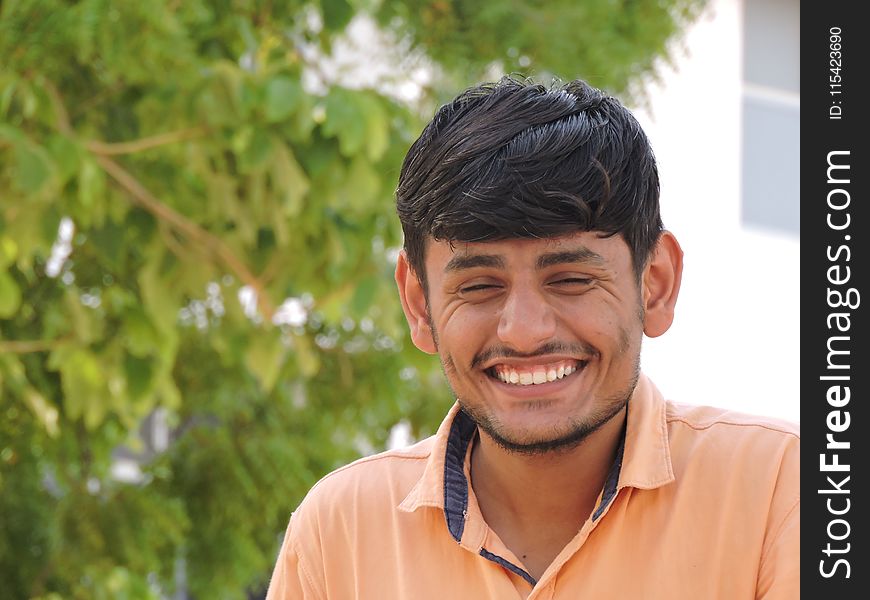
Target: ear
{"x":661,"y":285}
{"x":414,"y":304}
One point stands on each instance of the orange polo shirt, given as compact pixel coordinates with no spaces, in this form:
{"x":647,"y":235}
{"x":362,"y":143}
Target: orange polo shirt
{"x":701,"y":503}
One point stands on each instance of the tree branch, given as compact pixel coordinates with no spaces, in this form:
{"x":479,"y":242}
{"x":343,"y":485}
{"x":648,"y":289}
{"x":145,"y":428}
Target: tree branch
{"x":27,"y":346}
{"x":142,"y":196}
{"x":176,"y":247}
{"x":112,"y":149}
{"x":149,"y":202}
{"x":271,"y":269}
{"x":107,"y":149}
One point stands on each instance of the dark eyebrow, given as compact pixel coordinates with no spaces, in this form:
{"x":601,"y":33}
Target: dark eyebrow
{"x":578,"y":255}
{"x":470,"y":261}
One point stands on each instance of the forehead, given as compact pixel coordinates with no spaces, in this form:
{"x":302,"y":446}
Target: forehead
{"x":587,"y":247}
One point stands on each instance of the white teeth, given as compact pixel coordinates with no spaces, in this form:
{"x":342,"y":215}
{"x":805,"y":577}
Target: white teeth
{"x":536,"y":377}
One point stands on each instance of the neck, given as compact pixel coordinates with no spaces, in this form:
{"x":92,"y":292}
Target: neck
{"x":554,"y":487}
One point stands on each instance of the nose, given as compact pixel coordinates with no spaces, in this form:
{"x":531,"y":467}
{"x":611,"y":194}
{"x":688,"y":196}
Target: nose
{"x":526,"y":321}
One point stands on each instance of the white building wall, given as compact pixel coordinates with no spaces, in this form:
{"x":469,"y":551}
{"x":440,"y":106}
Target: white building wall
{"x":735,"y":340}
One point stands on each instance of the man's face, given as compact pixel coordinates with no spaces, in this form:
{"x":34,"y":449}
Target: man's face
{"x":539,"y":338}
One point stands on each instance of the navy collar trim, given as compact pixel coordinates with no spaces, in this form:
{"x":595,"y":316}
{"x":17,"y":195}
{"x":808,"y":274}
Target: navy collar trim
{"x":508,"y":565}
{"x":610,"y":484}
{"x":455,"y":482}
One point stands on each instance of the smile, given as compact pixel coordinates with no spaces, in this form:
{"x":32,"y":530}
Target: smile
{"x":534,"y":374}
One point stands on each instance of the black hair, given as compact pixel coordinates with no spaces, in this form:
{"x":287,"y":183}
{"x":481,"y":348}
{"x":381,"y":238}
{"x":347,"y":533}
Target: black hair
{"x":515,"y":159}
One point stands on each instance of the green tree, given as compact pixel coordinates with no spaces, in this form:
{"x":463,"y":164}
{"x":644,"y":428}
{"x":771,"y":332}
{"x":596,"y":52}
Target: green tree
{"x":160,"y":160}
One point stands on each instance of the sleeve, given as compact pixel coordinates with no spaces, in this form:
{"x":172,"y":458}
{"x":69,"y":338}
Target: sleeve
{"x":290,"y":581}
{"x":779,"y":577}
{"x":779,"y":570}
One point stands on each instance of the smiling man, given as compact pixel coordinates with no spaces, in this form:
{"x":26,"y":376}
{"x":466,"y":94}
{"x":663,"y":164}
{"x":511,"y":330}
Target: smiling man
{"x":535,"y":261}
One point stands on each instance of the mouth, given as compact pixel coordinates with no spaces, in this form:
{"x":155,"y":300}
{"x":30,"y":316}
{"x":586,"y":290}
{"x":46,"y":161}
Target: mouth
{"x":538,"y":374}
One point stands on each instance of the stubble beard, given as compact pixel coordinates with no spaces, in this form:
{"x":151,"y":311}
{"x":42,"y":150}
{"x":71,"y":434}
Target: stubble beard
{"x":562,"y":440}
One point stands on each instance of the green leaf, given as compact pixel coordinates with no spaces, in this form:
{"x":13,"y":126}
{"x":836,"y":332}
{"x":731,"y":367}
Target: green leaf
{"x":44,"y":412}
{"x":12,"y":135}
{"x":282,"y":97}
{"x":10,"y":295}
{"x":109,"y":241}
{"x":215,"y":107}
{"x":364,"y":294}
{"x":140,"y":336}
{"x":250,"y":97}
{"x":360,"y":187}
{"x":33,"y":167}
{"x":8,"y":91}
{"x":8,"y":251}
{"x":336,"y":14}
{"x":83,"y":382}
{"x":139,"y":373}
{"x":377,"y":128}
{"x":255,"y":151}
{"x":345,"y":120}
{"x":169,"y":394}
{"x":307,"y":358}
{"x":91,"y":195}
{"x":87,"y":323}
{"x":290,"y":180}
{"x":299,"y":127}
{"x":66,"y":155}
{"x":265,"y":357}
{"x":33,"y":231}
{"x":160,"y":302}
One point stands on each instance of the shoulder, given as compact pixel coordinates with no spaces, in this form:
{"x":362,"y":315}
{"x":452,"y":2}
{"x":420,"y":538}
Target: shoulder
{"x":354,"y":503}
{"x":373,"y":483}
{"x":708,"y":421}
{"x":737,"y":439}
{"x":345,"y":528}
{"x":731,"y":448}
{"x":742,"y":464}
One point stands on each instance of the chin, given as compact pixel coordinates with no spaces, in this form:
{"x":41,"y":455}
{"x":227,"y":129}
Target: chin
{"x":531,"y":444}
{"x":550,"y":434}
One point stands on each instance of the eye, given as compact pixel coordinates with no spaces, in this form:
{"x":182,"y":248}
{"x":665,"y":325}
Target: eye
{"x":571,"y":283}
{"x":478,"y":287}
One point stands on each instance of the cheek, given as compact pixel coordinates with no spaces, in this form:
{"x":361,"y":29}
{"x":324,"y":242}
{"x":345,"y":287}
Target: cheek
{"x":463,"y":337}
{"x":607,"y":325}
{"x":467,"y":323}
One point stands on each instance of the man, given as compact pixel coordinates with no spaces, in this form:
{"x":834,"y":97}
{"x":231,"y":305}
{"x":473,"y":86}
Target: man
{"x":534,"y":261}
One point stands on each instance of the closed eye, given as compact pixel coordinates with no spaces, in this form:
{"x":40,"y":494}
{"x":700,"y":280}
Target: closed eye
{"x":480,"y":287}
{"x":572,"y":281}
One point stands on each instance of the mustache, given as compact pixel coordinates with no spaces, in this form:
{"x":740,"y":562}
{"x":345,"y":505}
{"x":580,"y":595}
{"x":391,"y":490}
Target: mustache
{"x":495,"y":352}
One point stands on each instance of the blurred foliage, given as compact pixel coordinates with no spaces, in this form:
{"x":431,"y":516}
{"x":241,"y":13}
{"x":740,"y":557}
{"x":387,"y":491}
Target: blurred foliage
{"x":157,"y":159}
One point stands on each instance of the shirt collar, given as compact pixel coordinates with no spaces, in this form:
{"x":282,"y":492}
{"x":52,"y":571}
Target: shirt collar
{"x":646,"y":463}
{"x":429,"y":490}
{"x":646,"y":459}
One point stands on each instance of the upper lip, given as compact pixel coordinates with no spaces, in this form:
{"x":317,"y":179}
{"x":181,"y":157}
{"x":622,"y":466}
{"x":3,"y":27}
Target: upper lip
{"x":530,"y":361}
